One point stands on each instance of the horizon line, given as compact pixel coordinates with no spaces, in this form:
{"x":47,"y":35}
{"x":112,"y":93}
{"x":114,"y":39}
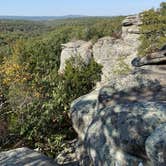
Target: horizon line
{"x":76,"y":15}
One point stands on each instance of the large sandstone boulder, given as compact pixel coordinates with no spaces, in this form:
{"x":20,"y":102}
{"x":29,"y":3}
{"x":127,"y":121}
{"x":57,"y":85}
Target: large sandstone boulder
{"x":156,"y":145}
{"x":154,"y":58}
{"x":152,"y":66}
{"x":132,"y":20}
{"x":24,"y":157}
{"x":83,"y":111}
{"x":123,"y":123}
{"x":118,"y":53}
{"x":110,"y":52}
{"x":122,"y":126}
{"x":75,"y":49}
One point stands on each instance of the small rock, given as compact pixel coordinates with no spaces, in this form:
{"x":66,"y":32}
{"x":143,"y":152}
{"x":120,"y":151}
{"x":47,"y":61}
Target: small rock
{"x":24,"y":157}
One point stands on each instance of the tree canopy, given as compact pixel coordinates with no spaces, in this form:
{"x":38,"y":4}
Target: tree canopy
{"x":153,"y":30}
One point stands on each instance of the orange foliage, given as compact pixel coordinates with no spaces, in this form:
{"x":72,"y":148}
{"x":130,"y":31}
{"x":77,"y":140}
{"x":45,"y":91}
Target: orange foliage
{"x":13,"y":73}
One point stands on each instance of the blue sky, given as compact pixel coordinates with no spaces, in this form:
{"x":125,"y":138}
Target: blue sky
{"x":81,"y":7}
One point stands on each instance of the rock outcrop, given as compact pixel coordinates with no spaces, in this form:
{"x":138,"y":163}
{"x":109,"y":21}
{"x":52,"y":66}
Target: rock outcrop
{"x":152,"y":66}
{"x":111,"y":52}
{"x":154,"y":58}
{"x":75,"y":49}
{"x":24,"y":157}
{"x":108,"y":51}
{"x":124,"y":122}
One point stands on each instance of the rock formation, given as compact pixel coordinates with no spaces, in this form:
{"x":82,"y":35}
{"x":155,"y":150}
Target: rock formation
{"x":154,"y":58}
{"x":108,"y":51}
{"x":75,"y":49}
{"x":152,"y":66}
{"x":24,"y":157}
{"x":123,"y":123}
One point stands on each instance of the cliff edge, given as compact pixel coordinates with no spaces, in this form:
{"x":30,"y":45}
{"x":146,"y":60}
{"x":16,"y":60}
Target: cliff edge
{"x":123,"y":121}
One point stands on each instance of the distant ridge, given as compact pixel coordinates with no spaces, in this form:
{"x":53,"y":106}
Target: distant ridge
{"x":40,"y":18}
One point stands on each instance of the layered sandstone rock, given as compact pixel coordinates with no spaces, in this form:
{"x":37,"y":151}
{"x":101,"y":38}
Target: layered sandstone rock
{"x":123,"y":123}
{"x":108,"y":51}
{"x":75,"y":49}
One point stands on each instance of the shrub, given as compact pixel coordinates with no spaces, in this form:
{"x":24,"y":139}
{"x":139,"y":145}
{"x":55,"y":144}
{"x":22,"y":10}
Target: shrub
{"x":153,"y":30}
{"x":44,"y":120}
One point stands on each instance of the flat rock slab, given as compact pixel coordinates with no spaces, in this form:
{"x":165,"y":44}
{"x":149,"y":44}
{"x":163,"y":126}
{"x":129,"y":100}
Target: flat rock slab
{"x":24,"y":157}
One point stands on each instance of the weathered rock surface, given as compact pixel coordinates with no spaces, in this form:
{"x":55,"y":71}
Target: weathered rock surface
{"x":75,"y":49}
{"x":124,"y":122}
{"x":108,"y":51}
{"x":123,"y":126}
{"x":156,"y":145}
{"x":132,"y":20}
{"x":82,"y":112}
{"x":154,"y":58}
{"x":24,"y":157}
{"x":74,"y":155}
{"x":152,"y":66}
{"x":118,"y":53}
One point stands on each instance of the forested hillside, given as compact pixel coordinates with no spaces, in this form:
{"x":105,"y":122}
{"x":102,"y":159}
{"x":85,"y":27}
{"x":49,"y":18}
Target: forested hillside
{"x":34,"y":98}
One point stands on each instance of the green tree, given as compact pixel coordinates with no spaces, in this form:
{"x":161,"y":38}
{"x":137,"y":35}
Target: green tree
{"x":163,"y":8}
{"x":153,"y":31}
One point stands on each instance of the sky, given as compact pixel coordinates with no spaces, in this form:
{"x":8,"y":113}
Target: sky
{"x":75,"y":7}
